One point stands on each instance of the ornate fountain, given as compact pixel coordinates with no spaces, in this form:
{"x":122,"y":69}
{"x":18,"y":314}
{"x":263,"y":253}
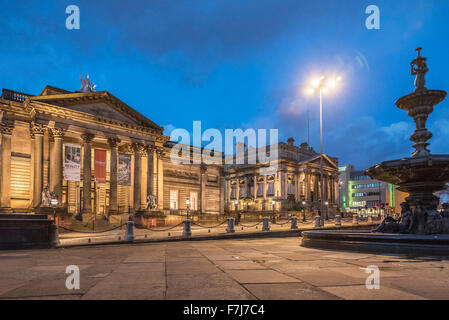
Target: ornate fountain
{"x":421,"y":229}
{"x":423,"y":173}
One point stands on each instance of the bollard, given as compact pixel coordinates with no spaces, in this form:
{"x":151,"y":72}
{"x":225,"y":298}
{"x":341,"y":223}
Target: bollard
{"x":355,"y":219}
{"x":338,"y":220}
{"x":317,"y":222}
{"x":230,"y":228}
{"x":266,"y":224}
{"x":294,"y":223}
{"x":187,"y":232}
{"x":129,"y":235}
{"x":54,"y":235}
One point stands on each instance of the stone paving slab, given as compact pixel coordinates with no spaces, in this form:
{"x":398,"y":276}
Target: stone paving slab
{"x":360,"y":292}
{"x":232,"y":269}
{"x":260,"y":276}
{"x":288,"y":291}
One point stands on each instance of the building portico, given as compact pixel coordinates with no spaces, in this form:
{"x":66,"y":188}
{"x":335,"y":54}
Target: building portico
{"x":36,"y":132}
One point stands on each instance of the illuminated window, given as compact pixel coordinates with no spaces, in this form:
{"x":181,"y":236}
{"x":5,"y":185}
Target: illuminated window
{"x":174,"y":199}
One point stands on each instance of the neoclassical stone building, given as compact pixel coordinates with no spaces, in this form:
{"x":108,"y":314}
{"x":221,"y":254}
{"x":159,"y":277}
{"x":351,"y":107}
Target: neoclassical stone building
{"x":96,"y":155}
{"x":297,"y":182}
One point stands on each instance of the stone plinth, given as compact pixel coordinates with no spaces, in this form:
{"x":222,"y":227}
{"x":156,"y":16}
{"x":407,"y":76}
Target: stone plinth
{"x":24,"y":231}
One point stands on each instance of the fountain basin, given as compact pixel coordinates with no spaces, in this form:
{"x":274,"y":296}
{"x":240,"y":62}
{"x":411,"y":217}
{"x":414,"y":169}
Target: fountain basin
{"x":409,"y":244}
{"x":421,"y":99}
{"x":426,"y":174}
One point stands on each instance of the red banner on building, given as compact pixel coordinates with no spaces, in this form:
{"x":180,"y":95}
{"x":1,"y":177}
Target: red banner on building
{"x":100,"y":166}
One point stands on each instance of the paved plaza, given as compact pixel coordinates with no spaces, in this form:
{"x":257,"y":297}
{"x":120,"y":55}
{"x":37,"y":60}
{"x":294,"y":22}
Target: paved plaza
{"x":220,"y":269}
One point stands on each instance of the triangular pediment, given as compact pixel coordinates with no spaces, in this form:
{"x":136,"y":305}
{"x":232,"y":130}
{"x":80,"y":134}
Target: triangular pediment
{"x":104,"y":110}
{"x":327,"y":162}
{"x":101,"y":104}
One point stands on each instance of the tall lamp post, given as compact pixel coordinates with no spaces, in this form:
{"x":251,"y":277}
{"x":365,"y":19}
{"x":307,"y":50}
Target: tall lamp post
{"x":323,"y":85}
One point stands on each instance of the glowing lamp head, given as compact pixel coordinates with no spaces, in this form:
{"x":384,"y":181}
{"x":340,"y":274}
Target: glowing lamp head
{"x":316,"y":83}
{"x":54,"y":202}
{"x":310,"y":91}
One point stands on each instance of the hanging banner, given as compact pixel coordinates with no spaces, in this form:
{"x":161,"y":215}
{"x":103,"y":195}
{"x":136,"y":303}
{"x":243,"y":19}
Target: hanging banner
{"x":72,"y":162}
{"x":100,"y":166}
{"x":124,"y":169}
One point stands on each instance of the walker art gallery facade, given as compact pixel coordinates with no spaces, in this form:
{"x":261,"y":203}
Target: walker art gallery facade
{"x":96,"y":155}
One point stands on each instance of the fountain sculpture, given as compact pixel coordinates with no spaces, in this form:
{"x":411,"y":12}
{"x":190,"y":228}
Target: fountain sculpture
{"x":423,"y":173}
{"x":421,"y":229}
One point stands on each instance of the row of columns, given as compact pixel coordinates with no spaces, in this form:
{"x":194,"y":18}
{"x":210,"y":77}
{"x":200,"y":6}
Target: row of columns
{"x":311,"y":181}
{"x":56,"y":135}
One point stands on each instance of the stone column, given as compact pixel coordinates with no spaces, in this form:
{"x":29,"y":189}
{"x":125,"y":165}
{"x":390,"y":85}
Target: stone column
{"x":5,"y":199}
{"x":203,"y":179}
{"x":150,"y":170}
{"x":316,"y":188}
{"x":307,"y":185}
{"x":87,"y":173}
{"x":56,"y":165}
{"x":222,"y":191}
{"x":160,"y":179}
{"x":37,"y":131}
{"x":113,"y":183}
{"x":283,"y":185}
{"x":137,"y":148}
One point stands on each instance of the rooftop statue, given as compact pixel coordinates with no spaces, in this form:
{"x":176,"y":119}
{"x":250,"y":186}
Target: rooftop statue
{"x":86,"y":85}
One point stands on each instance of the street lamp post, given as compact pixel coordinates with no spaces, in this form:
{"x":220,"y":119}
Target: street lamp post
{"x":54,"y":203}
{"x":327,"y":210}
{"x":188,"y":207}
{"x":304,"y":211}
{"x":323,"y":85}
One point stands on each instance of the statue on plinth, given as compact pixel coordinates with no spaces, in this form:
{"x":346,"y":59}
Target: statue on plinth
{"x":151,"y":202}
{"x":46,"y":197}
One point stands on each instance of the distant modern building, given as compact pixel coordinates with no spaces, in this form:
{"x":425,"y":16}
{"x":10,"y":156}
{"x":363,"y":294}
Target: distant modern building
{"x":357,"y":190}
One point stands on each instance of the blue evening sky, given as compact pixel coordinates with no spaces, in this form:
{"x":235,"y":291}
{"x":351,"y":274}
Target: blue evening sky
{"x":242,"y":64}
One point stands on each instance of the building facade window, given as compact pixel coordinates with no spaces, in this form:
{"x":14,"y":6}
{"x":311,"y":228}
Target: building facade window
{"x":174,"y":199}
{"x":270,"y":190}
{"x":260,"y":189}
{"x":366,"y":186}
{"x":290,"y":188}
{"x":233,"y":192}
{"x":193,"y":200}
